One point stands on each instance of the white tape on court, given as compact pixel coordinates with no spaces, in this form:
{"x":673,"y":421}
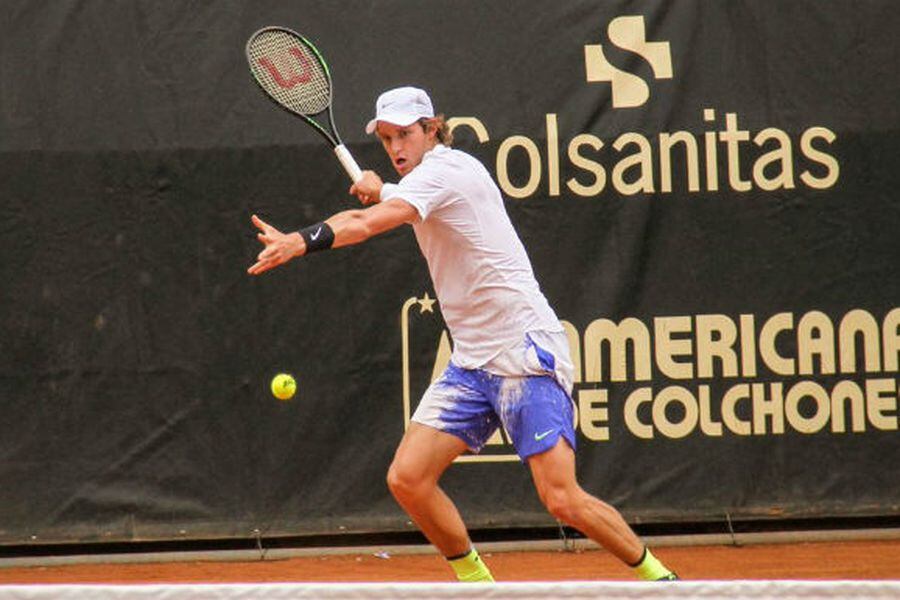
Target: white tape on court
{"x":749,"y":590}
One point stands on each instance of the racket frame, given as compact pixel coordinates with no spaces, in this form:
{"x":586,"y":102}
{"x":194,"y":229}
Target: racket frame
{"x":331,"y":135}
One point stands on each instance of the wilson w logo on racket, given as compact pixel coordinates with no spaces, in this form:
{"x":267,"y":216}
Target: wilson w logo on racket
{"x":293,"y":78}
{"x":292,"y":72}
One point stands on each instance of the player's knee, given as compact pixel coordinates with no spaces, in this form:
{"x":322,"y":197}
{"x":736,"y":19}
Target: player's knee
{"x":402,"y":481}
{"x":561,"y":502}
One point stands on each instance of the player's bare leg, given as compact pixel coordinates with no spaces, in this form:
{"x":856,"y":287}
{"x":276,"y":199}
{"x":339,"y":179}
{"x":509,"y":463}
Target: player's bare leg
{"x":554,"y":477}
{"x":422,"y":457}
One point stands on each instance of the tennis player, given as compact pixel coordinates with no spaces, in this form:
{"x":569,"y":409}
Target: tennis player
{"x":510,"y":364}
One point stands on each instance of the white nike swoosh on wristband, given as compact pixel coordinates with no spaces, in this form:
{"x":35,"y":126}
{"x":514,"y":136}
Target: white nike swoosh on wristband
{"x":316,"y":234}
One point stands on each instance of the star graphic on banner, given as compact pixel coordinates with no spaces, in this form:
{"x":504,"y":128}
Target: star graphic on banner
{"x":426,"y":303}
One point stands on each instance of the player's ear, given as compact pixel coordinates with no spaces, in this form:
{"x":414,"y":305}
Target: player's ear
{"x":429,"y":127}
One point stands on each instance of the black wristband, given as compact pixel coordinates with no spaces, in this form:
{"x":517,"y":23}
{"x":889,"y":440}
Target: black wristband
{"x":317,"y":237}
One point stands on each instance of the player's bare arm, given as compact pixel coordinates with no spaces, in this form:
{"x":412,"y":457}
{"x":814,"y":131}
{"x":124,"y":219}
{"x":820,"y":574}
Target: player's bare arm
{"x":344,"y":228}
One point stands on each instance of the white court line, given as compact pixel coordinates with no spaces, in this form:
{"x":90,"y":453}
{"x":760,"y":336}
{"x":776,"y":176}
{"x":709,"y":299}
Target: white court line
{"x":738,"y":590}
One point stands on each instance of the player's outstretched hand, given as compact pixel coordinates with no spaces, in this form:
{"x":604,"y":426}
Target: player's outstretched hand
{"x":368,"y":189}
{"x":279,"y":247}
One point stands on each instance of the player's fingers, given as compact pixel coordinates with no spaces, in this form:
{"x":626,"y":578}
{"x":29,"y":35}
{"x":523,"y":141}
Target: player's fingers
{"x":259,"y":223}
{"x":260,"y":268}
{"x":264,"y":262}
{"x":264,"y":238}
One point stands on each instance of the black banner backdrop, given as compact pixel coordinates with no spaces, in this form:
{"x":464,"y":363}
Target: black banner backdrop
{"x":707,"y":191}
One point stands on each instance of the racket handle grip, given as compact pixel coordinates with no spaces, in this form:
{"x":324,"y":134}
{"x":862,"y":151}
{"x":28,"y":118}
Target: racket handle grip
{"x":348,"y":162}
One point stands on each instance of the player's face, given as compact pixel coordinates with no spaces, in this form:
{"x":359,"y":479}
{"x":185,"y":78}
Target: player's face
{"x":405,"y":145}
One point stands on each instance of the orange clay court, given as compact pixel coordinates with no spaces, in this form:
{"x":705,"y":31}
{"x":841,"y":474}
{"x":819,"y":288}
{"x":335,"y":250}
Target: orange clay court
{"x":814,"y":560}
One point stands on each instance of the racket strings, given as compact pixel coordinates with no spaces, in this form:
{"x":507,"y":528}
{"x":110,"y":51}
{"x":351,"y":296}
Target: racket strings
{"x":290,"y":72}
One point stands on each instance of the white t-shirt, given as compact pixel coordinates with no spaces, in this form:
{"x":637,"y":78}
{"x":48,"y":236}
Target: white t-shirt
{"x":481,"y":274}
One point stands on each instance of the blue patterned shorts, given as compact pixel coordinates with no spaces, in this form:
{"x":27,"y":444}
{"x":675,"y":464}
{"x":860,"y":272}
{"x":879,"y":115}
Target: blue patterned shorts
{"x":535,"y":410}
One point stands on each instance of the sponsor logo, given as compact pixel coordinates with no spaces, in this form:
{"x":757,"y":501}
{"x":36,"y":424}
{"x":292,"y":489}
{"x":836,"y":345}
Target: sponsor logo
{"x":539,"y":436}
{"x":710,"y":375}
{"x":628,"y":90}
{"x":710,"y":154}
{"x":293,"y":78}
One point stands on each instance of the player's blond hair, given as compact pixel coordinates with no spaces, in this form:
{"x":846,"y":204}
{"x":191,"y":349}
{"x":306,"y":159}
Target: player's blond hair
{"x":439,"y":124}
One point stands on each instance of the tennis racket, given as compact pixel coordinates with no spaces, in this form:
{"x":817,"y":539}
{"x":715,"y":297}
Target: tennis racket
{"x":292,"y":72}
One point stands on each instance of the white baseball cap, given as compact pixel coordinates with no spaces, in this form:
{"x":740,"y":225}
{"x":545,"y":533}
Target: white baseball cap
{"x":401,"y":106}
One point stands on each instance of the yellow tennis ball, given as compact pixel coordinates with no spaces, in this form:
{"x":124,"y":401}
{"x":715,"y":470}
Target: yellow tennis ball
{"x":283,"y":386}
